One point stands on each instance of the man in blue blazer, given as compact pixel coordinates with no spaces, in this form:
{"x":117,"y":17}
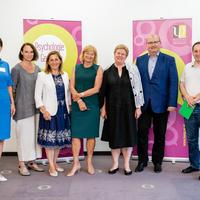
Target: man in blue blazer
{"x":160,"y":85}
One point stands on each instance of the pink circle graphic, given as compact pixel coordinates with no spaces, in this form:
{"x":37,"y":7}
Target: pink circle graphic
{"x":75,"y":32}
{"x":143,"y":29}
{"x":139,"y":40}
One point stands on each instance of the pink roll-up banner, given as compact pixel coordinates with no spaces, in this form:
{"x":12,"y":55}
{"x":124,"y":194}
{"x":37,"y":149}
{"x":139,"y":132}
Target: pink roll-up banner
{"x":176,"y":40}
{"x":58,"y":35}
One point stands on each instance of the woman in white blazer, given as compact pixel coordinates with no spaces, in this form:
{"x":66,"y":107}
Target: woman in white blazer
{"x":53,"y":99}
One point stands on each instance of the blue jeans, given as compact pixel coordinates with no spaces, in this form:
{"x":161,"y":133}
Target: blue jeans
{"x":192,"y":126}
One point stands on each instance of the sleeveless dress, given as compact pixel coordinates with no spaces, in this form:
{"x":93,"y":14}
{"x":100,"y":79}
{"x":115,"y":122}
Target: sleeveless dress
{"x":119,"y":128}
{"x":55,"y":133}
{"x":85,"y":124}
{"x":5,"y":115}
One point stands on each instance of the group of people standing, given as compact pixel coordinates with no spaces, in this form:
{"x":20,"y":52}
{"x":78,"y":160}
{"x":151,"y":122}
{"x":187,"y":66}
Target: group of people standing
{"x":52,"y":112}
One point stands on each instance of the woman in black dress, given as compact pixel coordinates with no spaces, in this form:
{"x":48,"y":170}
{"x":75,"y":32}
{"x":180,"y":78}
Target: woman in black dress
{"x":121,"y":97}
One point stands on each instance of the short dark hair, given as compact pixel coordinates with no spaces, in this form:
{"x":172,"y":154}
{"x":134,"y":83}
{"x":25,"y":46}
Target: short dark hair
{"x":1,"y":43}
{"x":196,"y":43}
{"x":35,"y":57}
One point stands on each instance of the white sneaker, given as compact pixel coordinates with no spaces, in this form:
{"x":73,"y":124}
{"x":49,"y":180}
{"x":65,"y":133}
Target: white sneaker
{"x":2,"y":178}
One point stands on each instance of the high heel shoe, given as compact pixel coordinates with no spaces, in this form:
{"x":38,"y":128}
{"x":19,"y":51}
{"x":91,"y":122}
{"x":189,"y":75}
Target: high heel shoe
{"x":74,"y":170}
{"x":90,"y":167}
{"x":54,"y":174}
{"x":91,"y":170}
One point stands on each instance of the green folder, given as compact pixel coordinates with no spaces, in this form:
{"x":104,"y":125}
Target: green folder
{"x":186,"y":110}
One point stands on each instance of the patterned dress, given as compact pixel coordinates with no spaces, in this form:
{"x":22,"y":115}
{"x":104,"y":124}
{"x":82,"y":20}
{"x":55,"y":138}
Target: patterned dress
{"x":55,"y":133}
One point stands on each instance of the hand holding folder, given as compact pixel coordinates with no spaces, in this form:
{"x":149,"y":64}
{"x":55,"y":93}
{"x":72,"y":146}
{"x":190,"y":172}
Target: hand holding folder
{"x":186,"y":110}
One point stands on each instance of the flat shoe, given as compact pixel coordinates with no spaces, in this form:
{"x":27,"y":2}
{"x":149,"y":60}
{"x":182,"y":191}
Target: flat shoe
{"x":127,"y":173}
{"x":157,"y":168}
{"x":140,"y":167}
{"x":54,"y":174}
{"x":2,"y":178}
{"x":24,"y":171}
{"x":34,"y":167}
{"x":59,"y":169}
{"x":189,"y":170}
{"x":113,"y":171}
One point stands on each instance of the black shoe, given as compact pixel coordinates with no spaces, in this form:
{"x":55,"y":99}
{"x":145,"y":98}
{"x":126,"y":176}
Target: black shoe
{"x":157,"y":168}
{"x":127,"y":173}
{"x":113,"y":171}
{"x":140,"y":167}
{"x":145,"y":164}
{"x":199,"y":177}
{"x":189,"y":170}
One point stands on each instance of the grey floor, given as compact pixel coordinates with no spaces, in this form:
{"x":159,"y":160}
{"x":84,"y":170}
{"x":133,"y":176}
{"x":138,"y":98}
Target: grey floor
{"x":168,"y":185}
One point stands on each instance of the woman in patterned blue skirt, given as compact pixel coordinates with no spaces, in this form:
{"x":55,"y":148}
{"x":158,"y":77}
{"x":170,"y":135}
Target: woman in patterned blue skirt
{"x":53,"y":99}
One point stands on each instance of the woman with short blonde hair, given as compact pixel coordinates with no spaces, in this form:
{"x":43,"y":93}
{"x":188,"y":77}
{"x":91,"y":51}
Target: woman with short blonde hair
{"x":87,"y":49}
{"x":121,"y":98}
{"x":122,"y":46}
{"x":84,"y":85}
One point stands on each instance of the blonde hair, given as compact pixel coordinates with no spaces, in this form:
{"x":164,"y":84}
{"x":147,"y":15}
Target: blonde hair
{"x":87,"y":49}
{"x":122,"y":46}
{"x":48,"y":68}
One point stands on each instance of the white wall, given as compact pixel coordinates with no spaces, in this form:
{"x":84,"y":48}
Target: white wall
{"x":105,"y":23}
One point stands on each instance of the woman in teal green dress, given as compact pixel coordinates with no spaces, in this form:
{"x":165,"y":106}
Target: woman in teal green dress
{"x":84,"y":85}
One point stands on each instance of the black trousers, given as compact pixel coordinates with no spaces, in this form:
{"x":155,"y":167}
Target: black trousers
{"x":159,"y":129}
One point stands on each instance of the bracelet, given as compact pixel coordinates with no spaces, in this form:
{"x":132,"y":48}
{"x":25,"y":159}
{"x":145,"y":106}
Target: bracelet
{"x":82,"y":94}
{"x":79,"y":100}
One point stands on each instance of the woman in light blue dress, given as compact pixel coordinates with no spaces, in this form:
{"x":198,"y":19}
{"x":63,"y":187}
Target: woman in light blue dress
{"x":7,"y":107}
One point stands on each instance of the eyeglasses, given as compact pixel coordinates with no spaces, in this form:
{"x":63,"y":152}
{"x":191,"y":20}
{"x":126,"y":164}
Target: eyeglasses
{"x":153,"y":42}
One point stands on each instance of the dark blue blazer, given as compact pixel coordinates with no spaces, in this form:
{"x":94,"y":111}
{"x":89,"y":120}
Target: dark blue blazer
{"x":162,"y":89}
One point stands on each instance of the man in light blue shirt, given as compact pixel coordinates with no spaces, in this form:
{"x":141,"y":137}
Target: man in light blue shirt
{"x":160,"y":86}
